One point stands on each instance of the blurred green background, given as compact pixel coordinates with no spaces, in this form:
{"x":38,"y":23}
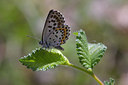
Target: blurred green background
{"x":104,"y":21}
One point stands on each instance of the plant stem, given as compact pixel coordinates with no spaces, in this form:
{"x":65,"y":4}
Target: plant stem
{"x":88,"y":72}
{"x":97,"y":79}
{"x":80,"y":68}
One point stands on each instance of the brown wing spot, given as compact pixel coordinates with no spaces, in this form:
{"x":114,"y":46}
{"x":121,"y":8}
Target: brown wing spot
{"x":64,"y":36}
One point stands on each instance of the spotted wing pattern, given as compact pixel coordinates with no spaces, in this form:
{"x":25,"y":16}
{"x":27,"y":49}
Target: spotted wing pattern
{"x":59,"y":36}
{"x":55,"y":32}
{"x":54,"y":20}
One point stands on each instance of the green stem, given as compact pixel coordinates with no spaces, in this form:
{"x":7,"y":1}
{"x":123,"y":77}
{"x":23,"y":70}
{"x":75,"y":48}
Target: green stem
{"x":88,"y":72}
{"x":97,"y":79}
{"x":80,"y":68}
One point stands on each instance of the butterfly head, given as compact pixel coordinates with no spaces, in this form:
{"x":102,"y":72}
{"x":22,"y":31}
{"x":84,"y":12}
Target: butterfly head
{"x":44,"y":44}
{"x":41,"y":43}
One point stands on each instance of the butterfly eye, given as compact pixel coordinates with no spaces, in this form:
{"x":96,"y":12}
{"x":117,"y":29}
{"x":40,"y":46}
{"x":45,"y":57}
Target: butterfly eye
{"x":40,"y":42}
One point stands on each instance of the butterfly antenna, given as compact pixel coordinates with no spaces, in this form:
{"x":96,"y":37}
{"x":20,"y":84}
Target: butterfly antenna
{"x":33,"y":37}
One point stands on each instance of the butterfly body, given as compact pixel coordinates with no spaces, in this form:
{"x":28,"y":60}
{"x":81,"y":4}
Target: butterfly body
{"x":55,"y":32}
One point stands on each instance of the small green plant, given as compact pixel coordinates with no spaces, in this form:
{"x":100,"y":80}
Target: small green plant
{"x":89,"y":55}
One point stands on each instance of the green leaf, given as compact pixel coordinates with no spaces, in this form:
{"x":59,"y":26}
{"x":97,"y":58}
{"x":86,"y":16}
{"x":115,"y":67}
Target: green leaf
{"x":96,"y":52}
{"x":44,"y":59}
{"x":89,"y":54}
{"x":112,"y":82}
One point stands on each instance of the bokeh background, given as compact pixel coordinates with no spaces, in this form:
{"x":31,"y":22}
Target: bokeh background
{"x":104,"y":21}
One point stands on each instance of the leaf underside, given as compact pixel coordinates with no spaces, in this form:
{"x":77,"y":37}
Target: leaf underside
{"x":89,"y":54}
{"x":44,"y":59}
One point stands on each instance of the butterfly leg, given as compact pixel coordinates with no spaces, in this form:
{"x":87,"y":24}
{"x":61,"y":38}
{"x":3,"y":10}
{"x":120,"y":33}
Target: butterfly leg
{"x":59,"y":47}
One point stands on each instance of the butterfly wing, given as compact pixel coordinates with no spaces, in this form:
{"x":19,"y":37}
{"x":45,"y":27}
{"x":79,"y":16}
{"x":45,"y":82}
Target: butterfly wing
{"x":59,"y":36}
{"x":55,"y":31}
{"x":54,"y":19}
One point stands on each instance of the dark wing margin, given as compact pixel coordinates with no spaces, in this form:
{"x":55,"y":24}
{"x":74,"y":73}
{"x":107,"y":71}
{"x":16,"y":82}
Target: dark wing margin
{"x":46,"y":22}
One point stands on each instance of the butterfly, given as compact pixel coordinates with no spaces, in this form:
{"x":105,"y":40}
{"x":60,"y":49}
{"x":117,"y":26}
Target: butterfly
{"x":55,"y":32}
